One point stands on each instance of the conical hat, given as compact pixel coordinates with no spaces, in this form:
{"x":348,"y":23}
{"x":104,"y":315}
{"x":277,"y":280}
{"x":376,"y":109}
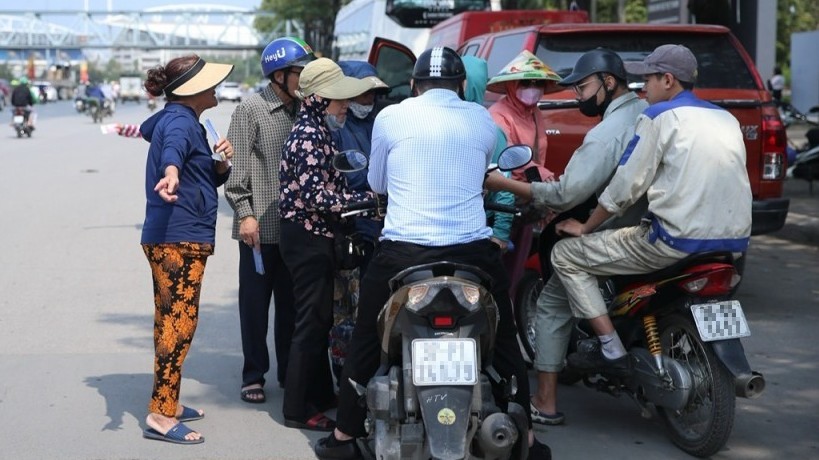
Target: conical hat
{"x":525,"y":66}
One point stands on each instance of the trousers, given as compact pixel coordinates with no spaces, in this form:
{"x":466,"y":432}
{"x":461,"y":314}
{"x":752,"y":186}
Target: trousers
{"x":255,"y":293}
{"x":177,"y":270}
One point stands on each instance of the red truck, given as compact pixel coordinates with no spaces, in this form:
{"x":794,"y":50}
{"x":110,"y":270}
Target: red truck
{"x":727,"y":77}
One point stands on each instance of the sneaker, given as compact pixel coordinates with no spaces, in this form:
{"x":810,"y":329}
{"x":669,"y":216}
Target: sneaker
{"x":592,"y":361}
{"x":542,"y":418}
{"x":330,"y":448}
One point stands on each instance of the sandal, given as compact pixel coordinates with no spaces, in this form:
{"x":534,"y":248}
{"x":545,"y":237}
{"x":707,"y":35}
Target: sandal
{"x":253,"y":395}
{"x":318,"y":422}
{"x":542,"y":418}
{"x":189,"y":414}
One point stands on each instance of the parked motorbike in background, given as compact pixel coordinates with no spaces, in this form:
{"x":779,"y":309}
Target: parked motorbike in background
{"x":21,"y":121}
{"x":432,"y":397}
{"x":683,"y":332}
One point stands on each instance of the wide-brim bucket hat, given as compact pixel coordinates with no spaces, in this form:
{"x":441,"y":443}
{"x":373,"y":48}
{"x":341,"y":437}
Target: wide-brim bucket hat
{"x":202,"y":76}
{"x":324,"y":78}
{"x":525,"y":66}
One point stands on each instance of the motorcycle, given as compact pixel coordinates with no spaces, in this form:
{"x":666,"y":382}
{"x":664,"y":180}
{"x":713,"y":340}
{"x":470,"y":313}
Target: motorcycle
{"x":683,"y":333}
{"x":806,"y":164}
{"x":20,"y":121}
{"x":432,"y":397}
{"x":151,"y":104}
{"x":99,"y":109}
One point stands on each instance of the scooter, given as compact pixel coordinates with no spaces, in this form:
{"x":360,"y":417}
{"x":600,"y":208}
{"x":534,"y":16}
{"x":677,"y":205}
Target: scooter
{"x":433,"y":398}
{"x":80,"y":105}
{"x":683,"y":333}
{"x":151,"y":104}
{"x":20,"y":122}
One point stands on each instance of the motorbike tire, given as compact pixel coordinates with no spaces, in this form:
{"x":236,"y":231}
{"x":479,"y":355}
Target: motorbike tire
{"x":528,"y":291}
{"x":19,"y":133}
{"x":702,"y":428}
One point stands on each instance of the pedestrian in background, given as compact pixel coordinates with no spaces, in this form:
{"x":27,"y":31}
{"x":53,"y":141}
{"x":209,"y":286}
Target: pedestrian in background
{"x":178,"y":234}
{"x":258,"y":129}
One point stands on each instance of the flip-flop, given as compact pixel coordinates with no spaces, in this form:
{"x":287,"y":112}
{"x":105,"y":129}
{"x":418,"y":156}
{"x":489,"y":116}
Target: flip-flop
{"x":542,"y":418}
{"x":189,"y":415}
{"x":175,"y":435}
{"x":258,"y":392}
{"x":318,"y":422}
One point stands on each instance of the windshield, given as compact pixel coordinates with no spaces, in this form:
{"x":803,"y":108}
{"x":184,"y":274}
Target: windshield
{"x":720,"y":64}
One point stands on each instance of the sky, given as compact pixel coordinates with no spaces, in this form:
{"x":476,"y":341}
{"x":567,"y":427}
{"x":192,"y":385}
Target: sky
{"x":115,"y":4}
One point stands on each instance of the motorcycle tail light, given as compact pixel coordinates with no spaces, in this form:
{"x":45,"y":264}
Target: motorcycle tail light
{"x":444,"y":321}
{"x":714,"y":283}
{"x":417,"y":293}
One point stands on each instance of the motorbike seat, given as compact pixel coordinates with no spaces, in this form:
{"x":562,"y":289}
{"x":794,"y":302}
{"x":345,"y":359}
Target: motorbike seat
{"x":435,"y":269}
{"x":675,"y":269}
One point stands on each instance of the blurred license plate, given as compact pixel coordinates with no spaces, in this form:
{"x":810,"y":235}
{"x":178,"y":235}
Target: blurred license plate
{"x":444,"y":362}
{"x":18,"y":119}
{"x":720,"y":320}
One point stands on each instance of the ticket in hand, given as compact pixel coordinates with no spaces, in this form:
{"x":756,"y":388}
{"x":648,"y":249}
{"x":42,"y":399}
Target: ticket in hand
{"x":214,"y":139}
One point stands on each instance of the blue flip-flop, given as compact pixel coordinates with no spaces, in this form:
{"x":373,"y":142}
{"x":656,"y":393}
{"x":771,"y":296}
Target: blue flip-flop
{"x":175,"y":435}
{"x":189,"y":415}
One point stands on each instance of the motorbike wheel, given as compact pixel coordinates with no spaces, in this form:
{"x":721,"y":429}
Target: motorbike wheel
{"x":19,"y":133}
{"x":528,"y":291}
{"x":701,"y":428}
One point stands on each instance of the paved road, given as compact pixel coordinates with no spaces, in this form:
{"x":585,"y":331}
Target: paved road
{"x":76,"y":313}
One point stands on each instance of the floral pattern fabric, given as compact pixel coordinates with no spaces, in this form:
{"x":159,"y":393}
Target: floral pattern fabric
{"x":311,"y":190}
{"x":177,"y":270}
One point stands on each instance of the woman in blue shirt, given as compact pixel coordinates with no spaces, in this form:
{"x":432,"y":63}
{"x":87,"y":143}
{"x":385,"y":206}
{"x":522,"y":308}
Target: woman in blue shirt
{"x":178,"y":235}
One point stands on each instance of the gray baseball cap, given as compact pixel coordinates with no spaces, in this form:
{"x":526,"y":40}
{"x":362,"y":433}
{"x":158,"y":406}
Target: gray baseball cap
{"x":674,"y":59}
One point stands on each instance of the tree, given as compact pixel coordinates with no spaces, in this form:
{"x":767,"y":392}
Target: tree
{"x":316,"y":16}
{"x":793,"y":16}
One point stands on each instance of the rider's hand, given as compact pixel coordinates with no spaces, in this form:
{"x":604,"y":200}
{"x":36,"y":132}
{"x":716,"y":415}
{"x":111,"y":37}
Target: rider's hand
{"x":249,"y":231}
{"x":503,"y":245}
{"x":571,"y":227}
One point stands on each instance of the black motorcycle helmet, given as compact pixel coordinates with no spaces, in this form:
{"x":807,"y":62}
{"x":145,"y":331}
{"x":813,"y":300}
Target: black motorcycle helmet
{"x":598,"y":60}
{"x":440,"y":63}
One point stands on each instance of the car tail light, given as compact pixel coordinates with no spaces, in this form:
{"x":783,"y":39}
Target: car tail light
{"x":773,"y":145}
{"x":712,"y":283}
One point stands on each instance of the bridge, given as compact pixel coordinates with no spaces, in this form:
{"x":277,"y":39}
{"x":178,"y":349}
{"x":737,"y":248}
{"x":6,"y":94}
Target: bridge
{"x":193,"y":27}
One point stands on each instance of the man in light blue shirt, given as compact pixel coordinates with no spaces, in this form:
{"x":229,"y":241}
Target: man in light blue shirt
{"x":429,"y":155}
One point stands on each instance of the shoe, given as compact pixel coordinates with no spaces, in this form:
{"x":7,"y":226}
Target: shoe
{"x":175,"y":435}
{"x":542,"y":418}
{"x":253,"y":395}
{"x":331,"y":403}
{"x":330,"y":448}
{"x":592,"y":361}
{"x":539,"y":451}
{"x":318,"y":422}
{"x":190,"y":415}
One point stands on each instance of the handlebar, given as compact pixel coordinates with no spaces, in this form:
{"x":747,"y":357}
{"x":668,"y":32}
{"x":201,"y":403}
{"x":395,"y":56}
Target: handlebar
{"x":490,"y":206}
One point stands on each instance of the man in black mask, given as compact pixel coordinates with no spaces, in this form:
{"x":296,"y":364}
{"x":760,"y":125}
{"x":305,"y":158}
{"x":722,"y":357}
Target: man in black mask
{"x":599,"y":82}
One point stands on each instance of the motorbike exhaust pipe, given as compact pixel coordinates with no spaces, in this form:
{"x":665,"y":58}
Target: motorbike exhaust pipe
{"x":749,"y":385}
{"x":497,"y":436}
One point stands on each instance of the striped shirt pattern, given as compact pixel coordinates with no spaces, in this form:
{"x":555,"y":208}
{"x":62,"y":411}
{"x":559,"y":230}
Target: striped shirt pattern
{"x":258,"y":129}
{"x":429,"y":155}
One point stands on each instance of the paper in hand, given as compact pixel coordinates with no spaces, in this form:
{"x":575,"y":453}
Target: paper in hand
{"x":214,"y":135}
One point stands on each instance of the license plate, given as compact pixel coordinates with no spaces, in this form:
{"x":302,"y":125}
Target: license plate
{"x":18,"y":119}
{"x":720,"y":320}
{"x":444,"y":362}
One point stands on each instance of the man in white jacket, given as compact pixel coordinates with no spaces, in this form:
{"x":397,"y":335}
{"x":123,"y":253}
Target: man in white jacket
{"x":688,"y":157}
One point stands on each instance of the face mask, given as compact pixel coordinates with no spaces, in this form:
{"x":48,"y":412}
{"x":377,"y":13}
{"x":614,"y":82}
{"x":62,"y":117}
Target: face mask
{"x":332,"y":122}
{"x":529,"y":96}
{"x":360,"y":111}
{"x":590,"y":108}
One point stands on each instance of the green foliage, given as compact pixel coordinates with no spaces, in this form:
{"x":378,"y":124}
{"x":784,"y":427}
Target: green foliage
{"x":793,"y":16}
{"x":317,"y":17}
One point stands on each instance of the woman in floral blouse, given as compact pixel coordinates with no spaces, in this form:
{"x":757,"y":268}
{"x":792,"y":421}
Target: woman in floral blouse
{"x":312,"y":195}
